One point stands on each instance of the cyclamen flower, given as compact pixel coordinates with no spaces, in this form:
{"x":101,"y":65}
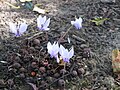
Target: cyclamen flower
{"x":65,"y":54}
{"x":42,"y":23}
{"x":19,"y":29}
{"x":53,"y":50}
{"x":77,"y":23}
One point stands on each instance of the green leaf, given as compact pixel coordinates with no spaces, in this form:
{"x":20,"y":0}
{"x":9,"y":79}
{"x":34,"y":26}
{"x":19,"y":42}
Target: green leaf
{"x":28,"y":5}
{"x":99,"y":20}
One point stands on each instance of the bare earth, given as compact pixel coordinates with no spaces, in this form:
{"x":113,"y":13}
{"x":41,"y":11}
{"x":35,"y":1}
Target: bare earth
{"x":98,"y":41}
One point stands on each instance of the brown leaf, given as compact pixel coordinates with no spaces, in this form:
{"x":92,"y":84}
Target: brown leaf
{"x":61,"y":63}
{"x":116,"y":60}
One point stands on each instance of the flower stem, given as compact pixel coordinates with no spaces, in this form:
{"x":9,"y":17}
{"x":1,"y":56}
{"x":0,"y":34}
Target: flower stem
{"x":64,"y":34}
{"x":46,"y":36}
{"x":64,"y":73}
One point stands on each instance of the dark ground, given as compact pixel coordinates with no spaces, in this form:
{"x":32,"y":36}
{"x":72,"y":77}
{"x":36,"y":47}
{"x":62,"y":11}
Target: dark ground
{"x":89,"y":69}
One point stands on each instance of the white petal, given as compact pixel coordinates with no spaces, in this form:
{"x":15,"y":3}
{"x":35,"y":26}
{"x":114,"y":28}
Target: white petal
{"x":61,"y":50}
{"x":46,"y":24}
{"x":39,"y":21}
{"x":71,"y":52}
{"x":65,"y":54}
{"x":68,"y":39}
{"x":58,"y":60}
{"x":80,"y":19}
{"x":13,"y":27}
{"x":72,"y":22}
{"x":46,"y":29}
{"x":43,"y":20}
{"x":23,"y":28}
{"x":49,"y":47}
{"x":78,"y":24}
{"x":56,"y":48}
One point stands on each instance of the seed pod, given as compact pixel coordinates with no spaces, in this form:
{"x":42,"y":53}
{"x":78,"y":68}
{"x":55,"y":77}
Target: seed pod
{"x":45,"y":62}
{"x":49,"y":79}
{"x":23,"y":52}
{"x":17,"y":59}
{"x":81,"y":71}
{"x":34,"y":65}
{"x":56,"y":75}
{"x":22,"y":75}
{"x":10,"y":82}
{"x":74,"y":73}
{"x":22,"y":69}
{"x":16,"y":65}
{"x":36,"y":42}
{"x":63,"y":71}
{"x":61,"y":82}
{"x":2,"y":82}
{"x":42,"y":69}
{"x":32,"y":49}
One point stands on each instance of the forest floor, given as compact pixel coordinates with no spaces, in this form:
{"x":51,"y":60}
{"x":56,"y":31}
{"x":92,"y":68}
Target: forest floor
{"x":26,"y":65}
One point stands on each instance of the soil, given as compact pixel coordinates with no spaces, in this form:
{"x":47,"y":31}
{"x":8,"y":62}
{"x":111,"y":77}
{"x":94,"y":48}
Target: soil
{"x":28,"y":66}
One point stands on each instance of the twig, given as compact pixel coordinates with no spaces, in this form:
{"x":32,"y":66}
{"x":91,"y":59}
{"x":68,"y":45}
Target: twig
{"x":16,"y":7}
{"x":64,"y":34}
{"x":34,"y":35}
{"x":78,"y":38}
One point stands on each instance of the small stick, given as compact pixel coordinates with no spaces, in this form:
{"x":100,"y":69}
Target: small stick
{"x":64,"y":34}
{"x":34,"y":35}
{"x":16,"y":7}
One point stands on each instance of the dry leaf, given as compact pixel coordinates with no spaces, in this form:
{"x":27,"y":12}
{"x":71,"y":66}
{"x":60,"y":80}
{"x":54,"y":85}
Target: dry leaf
{"x":61,"y":63}
{"x":116,"y":60}
{"x":37,"y":9}
{"x":25,"y":0}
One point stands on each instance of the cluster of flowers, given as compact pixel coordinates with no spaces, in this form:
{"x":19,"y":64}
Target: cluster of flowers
{"x":42,"y":24}
{"x":18,"y":30}
{"x":53,"y":49}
